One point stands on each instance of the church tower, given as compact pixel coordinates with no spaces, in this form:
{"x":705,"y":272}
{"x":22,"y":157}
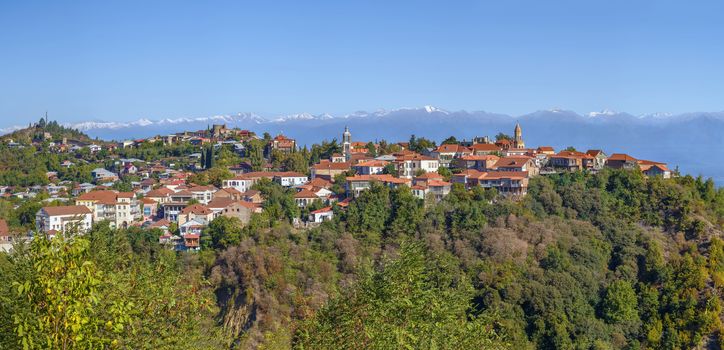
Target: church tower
{"x":347,"y":144}
{"x":518,"y":141}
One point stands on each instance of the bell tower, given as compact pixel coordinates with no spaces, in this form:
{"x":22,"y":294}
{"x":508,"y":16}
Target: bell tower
{"x":347,"y":144}
{"x":518,"y":140}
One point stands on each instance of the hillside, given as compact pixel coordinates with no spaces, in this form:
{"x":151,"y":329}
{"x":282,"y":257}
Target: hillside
{"x":46,"y":130}
{"x":606,"y":261}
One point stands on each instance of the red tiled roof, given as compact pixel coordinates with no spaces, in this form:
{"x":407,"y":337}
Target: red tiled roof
{"x":161,"y":192}
{"x":323,"y":210}
{"x":67,"y":210}
{"x":102,"y":196}
{"x":202,"y":188}
{"x":325,"y":164}
{"x":645,"y":165}
{"x":451,"y":148}
{"x":594,"y":152}
{"x":485,"y":147}
{"x":480,"y":157}
{"x":381,"y":178}
{"x":372,"y":163}
{"x":159,"y":223}
{"x":305,"y":194}
{"x":622,"y":157}
{"x":148,"y":201}
{"x":508,"y":162}
{"x":438,"y":183}
{"x":198,"y":209}
{"x":319,"y":182}
{"x":220,"y":203}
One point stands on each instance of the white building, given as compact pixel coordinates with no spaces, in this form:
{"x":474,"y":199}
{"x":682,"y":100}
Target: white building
{"x":239,"y":183}
{"x":120,"y":208}
{"x":290,"y":179}
{"x":64,"y":219}
{"x":321,"y":215}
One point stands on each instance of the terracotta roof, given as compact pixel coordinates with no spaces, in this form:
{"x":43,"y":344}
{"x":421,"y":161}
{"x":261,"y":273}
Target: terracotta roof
{"x":198,"y":209}
{"x":148,"y":181}
{"x":480,"y":157}
{"x":372,"y":163}
{"x":494,"y":175}
{"x":645,"y":165}
{"x":67,"y":210}
{"x":381,"y":178}
{"x":202,"y":188}
{"x":220,"y":203}
{"x":594,"y":152}
{"x":448,"y":148}
{"x":161,"y":192}
{"x":344,"y":203}
{"x":325,"y":164}
{"x":159,"y":223}
{"x":319,"y":182}
{"x":508,"y":162}
{"x":485,"y":147}
{"x":545,"y":149}
{"x":231,"y":190}
{"x":622,"y":157}
{"x":305,"y":194}
{"x":249,"y":193}
{"x":323,"y":210}
{"x":102,"y":196}
{"x":148,"y":201}
{"x":438,"y":183}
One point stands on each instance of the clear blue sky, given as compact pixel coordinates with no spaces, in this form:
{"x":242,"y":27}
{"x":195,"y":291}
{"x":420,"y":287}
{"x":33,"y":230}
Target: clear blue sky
{"x":107,"y":60}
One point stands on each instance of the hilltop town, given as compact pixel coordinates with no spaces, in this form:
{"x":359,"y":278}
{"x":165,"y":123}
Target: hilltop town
{"x":180,"y":183}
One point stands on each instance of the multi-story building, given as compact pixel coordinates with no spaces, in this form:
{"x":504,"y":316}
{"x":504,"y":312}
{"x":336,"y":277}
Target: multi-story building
{"x":328,"y":170}
{"x":119,"y":208}
{"x":356,"y":184}
{"x":63,"y":219}
{"x":409,"y":164}
{"x":448,"y":152}
{"x":203,"y":194}
{"x":506,"y":182}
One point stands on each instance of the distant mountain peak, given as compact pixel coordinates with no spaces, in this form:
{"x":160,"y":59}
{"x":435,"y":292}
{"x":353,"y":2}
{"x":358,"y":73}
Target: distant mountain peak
{"x":605,"y":112}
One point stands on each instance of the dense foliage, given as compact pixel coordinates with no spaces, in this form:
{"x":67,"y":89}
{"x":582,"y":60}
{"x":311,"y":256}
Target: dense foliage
{"x":605,"y":261}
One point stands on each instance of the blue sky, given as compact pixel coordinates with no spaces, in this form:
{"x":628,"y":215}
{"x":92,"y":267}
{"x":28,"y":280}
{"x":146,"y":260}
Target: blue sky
{"x":106,"y":60}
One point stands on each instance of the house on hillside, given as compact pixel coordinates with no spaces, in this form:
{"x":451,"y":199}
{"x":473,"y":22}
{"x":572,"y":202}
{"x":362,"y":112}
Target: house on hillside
{"x":62,"y":219}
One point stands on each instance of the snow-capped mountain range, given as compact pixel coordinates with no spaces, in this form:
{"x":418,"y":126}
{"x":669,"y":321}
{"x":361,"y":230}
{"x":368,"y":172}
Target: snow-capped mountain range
{"x":250,"y":120}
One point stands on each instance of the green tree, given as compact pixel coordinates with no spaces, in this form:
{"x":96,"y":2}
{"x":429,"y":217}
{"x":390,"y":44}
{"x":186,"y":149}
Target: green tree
{"x":224,"y":232}
{"x":62,"y":299}
{"x":410,"y":303}
{"x":619,"y":305}
{"x":450,"y":141}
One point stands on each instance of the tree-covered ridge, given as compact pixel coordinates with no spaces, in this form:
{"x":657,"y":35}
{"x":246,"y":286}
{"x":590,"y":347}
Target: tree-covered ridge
{"x":106,"y":289}
{"x":611,"y":260}
{"x":43,"y":128}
